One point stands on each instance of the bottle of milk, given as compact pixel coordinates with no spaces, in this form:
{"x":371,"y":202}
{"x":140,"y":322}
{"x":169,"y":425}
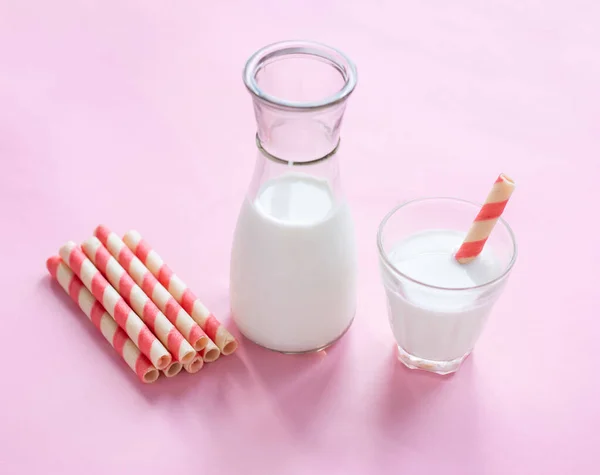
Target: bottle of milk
{"x":293,"y":262}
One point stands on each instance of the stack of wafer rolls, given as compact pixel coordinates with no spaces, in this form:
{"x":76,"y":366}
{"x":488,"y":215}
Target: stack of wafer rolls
{"x":148,"y":315}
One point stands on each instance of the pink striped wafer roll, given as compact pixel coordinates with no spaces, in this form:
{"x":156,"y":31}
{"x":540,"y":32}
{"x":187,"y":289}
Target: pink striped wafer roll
{"x":486,"y":220}
{"x":174,"y":368}
{"x":153,"y":289}
{"x":178,"y":289}
{"x":114,"y":304}
{"x":102,"y":320}
{"x":210,"y":353}
{"x":195,"y":366}
{"x":135,"y":297}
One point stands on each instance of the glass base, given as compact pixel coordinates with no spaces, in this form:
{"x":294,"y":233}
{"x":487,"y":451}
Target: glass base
{"x":438,"y":367}
{"x":302,"y":352}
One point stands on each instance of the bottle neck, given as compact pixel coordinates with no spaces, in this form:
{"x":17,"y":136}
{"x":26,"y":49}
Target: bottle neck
{"x":297,"y":163}
{"x":269,"y":169}
{"x":298,"y":137}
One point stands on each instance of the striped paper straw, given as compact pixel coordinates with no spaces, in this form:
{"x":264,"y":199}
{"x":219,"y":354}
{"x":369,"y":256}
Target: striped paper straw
{"x":153,"y":289}
{"x":195,"y":366}
{"x":486,"y":220}
{"x":174,"y":368}
{"x":114,"y":304}
{"x":102,"y":320}
{"x":135,"y":297}
{"x":178,"y":289}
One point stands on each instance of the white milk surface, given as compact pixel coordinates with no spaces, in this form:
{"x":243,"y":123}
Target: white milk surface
{"x":432,"y":324}
{"x":293,"y":266}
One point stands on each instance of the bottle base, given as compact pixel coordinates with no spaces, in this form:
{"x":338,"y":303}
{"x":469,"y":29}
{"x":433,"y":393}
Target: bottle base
{"x":302,"y":352}
{"x":438,"y":367}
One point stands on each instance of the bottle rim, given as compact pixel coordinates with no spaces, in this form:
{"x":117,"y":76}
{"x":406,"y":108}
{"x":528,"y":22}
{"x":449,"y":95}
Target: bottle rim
{"x":331,"y":55}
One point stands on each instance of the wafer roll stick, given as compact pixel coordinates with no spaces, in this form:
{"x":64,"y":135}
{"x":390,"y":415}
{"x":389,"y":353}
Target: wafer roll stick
{"x":102,"y":320}
{"x":210,"y":353}
{"x":114,"y":304}
{"x":174,"y":368}
{"x":135,"y":297}
{"x":195,"y":366}
{"x":153,"y":289}
{"x":486,"y":219}
{"x":178,"y":289}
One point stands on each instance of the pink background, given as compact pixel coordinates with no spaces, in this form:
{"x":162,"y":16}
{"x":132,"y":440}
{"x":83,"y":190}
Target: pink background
{"x":133,"y":113}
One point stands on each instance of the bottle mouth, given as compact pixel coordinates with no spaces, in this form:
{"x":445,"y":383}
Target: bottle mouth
{"x":302,"y":75}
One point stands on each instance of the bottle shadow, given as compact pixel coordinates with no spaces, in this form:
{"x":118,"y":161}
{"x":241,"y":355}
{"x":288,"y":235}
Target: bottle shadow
{"x":299,"y":386}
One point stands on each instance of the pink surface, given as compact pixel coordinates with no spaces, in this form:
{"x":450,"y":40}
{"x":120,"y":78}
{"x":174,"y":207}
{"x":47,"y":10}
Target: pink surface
{"x":145,"y":99}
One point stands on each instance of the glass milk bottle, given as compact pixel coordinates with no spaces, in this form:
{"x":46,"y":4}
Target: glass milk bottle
{"x":293,"y":262}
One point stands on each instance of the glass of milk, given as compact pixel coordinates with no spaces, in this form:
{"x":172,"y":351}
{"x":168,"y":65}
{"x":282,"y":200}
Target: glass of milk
{"x":436,"y":306}
{"x":293,"y":259}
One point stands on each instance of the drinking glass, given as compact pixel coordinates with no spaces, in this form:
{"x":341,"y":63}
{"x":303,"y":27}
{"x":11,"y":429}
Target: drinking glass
{"x":437,"y":326}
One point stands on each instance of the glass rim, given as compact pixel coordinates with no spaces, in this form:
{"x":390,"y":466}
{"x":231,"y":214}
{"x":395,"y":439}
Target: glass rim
{"x":386,"y":260}
{"x":310,"y":48}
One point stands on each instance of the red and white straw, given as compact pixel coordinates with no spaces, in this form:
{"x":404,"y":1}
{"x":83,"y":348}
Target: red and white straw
{"x":486,"y":220}
{"x":135,"y":297}
{"x":153,"y":288}
{"x":114,"y":304}
{"x":102,"y":320}
{"x":178,"y":289}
